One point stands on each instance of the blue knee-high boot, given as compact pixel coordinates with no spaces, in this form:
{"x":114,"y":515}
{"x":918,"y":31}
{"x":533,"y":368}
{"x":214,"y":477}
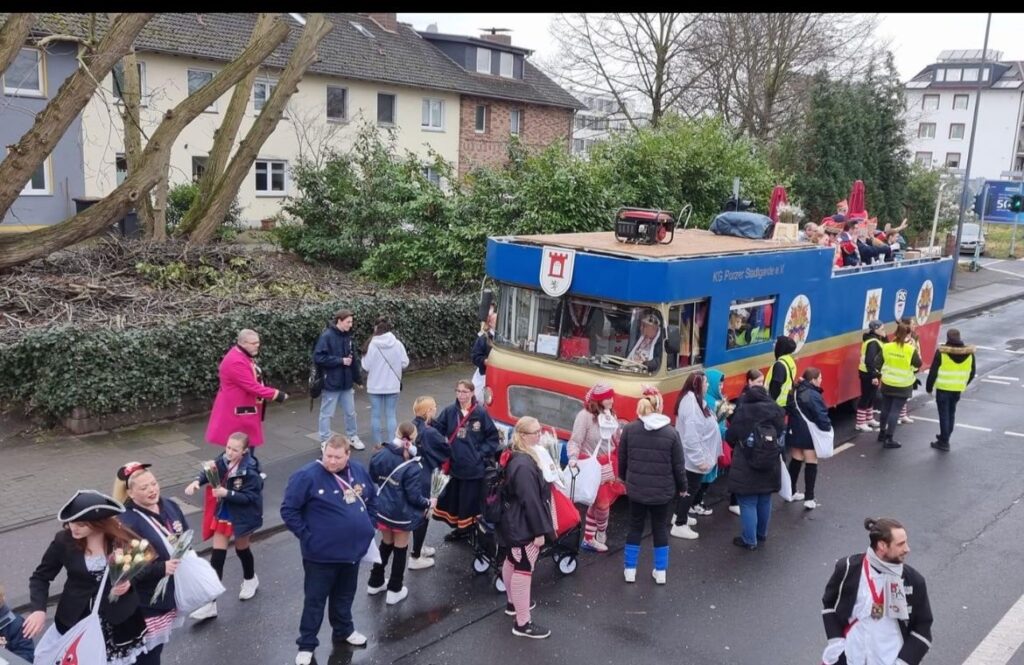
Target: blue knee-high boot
{"x":632,"y":555}
{"x":661,"y":558}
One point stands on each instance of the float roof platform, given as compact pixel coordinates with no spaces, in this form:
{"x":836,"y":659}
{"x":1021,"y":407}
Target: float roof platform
{"x":687,"y":243}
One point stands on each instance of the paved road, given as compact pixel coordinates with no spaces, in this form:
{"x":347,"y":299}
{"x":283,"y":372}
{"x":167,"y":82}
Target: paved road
{"x":721,"y":605}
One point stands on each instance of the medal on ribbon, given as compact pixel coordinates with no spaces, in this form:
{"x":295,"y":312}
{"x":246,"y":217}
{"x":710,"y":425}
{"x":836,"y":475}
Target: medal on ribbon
{"x":877,"y":595}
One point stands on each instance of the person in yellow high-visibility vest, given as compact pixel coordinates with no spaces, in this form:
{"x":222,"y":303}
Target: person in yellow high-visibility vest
{"x":900,"y":362}
{"x":781,"y":377}
{"x":952,"y":369}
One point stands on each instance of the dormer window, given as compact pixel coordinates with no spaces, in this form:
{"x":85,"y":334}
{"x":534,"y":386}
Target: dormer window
{"x":506,"y":61}
{"x":483,"y":60}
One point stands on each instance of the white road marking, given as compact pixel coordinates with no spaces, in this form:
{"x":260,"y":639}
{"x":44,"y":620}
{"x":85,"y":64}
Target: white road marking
{"x":1004,"y":378}
{"x":930,"y":420}
{"x":1003,"y":640}
{"x":1006,"y":272}
{"x":974,"y":427}
{"x":1009,"y":433}
{"x":987,"y":348}
{"x":1001,"y":383}
{"x":847,"y":446}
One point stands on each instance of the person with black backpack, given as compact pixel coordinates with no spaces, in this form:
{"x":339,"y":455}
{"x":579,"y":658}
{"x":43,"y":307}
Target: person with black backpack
{"x":755,"y":432}
{"x":523,"y":511}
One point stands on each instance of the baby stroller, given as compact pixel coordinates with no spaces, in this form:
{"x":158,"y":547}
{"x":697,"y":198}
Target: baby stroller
{"x":564,"y":550}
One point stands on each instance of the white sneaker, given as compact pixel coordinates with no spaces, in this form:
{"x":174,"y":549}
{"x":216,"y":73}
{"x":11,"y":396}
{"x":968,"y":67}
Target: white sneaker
{"x":357,"y":444}
{"x":207,"y":611}
{"x":395,"y":597}
{"x":690,"y":521}
{"x":420,"y":562}
{"x":601,"y":537}
{"x":797,"y":496}
{"x":906,"y":420}
{"x":249,"y":588}
{"x":810,"y":504}
{"x":735,"y":510}
{"x":374,"y":590}
{"x":874,"y":423}
{"x":684,"y":531}
{"x":629,"y":574}
{"x":304,"y":658}
{"x":593,"y":545}
{"x":864,"y":427}
{"x":427,"y":551}
{"x":700,"y":509}
{"x":356,"y":639}
{"x":659,"y":576}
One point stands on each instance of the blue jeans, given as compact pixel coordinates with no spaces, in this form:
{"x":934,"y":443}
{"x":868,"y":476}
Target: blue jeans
{"x":329,"y":402}
{"x":335,"y":584}
{"x":383,"y":407}
{"x":755,"y":511}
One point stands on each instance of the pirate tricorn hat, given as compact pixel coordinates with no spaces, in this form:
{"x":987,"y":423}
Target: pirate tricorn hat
{"x":89,"y":506}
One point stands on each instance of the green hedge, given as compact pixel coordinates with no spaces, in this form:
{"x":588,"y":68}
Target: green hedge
{"x":105,"y":371}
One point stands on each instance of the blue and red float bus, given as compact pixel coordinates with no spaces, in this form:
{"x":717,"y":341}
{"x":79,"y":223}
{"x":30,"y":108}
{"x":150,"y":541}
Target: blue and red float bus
{"x":571,"y":309}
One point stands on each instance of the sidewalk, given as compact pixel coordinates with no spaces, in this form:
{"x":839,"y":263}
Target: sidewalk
{"x":999,"y":281}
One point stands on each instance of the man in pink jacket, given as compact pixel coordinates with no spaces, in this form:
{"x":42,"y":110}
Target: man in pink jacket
{"x":240,"y":401}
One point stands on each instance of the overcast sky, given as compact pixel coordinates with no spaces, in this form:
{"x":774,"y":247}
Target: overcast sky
{"x":916,"y":38}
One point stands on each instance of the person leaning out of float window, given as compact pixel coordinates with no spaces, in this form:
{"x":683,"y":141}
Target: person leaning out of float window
{"x":161,"y":522}
{"x":91,"y":532}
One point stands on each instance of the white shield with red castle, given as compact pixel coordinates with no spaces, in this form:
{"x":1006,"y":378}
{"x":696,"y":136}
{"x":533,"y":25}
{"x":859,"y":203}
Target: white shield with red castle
{"x":556,"y":265}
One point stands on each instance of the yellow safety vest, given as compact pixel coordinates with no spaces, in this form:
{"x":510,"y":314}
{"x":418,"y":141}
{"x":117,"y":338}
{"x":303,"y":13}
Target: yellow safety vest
{"x":787,"y":385}
{"x":898,"y":372}
{"x":952,"y":375}
{"x":864,"y":352}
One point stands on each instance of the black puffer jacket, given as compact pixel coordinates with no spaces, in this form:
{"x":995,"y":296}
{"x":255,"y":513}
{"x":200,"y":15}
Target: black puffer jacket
{"x":528,"y":513}
{"x":756,"y":408}
{"x":651,"y":460}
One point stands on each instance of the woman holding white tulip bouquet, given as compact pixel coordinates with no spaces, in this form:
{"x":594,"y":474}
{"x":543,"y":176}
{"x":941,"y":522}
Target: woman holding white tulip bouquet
{"x":92,"y":536}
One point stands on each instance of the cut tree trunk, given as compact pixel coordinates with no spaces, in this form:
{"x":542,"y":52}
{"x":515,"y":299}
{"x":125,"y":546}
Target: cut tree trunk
{"x":52,"y":122}
{"x":16,"y":249}
{"x":12,"y":37}
{"x":304,"y":55}
{"x":223,"y":138}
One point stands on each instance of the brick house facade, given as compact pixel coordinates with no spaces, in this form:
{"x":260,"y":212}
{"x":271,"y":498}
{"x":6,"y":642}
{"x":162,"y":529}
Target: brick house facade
{"x":539,"y":127}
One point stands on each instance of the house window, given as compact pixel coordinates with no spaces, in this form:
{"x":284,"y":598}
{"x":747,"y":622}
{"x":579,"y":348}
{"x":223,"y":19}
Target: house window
{"x":120,"y":168}
{"x":117,"y":84}
{"x":433,"y":114}
{"x":750,"y":321}
{"x":432,"y":175}
{"x":385,"y":109}
{"x":954,"y":74}
{"x":515,"y":122}
{"x":930,"y":102}
{"x":923,"y":158}
{"x":197,"y":78}
{"x":960,"y":101}
{"x":505,"y":64}
{"x":25,"y":75}
{"x":953,"y":160}
{"x":577,"y":145}
{"x":984,"y":74}
{"x":581,"y":122}
{"x":361,"y":29}
{"x":270,"y":178}
{"x":337,"y":103}
{"x":956,"y":130}
{"x":940,"y":75}
{"x":971,"y":74}
{"x":926,"y":130}
{"x":198,"y":167}
{"x":39,"y":183}
{"x":261,"y":91}
{"x":483,"y":60}
{"x":481,"y":119}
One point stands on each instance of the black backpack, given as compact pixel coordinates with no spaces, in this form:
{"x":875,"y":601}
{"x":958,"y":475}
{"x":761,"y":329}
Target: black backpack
{"x":763,"y":447}
{"x":316,"y":375}
{"x":495,"y":495}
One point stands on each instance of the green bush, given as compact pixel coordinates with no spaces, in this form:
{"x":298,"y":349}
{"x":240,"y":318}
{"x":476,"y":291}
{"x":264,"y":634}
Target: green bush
{"x":179,"y":200}
{"x":106,"y":371}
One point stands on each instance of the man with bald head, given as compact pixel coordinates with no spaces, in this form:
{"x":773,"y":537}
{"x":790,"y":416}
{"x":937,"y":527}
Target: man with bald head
{"x":242,"y":397}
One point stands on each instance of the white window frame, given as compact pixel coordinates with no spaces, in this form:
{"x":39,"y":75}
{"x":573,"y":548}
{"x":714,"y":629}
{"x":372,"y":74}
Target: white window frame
{"x":959,"y":160}
{"x":954,"y":74}
{"x":143,"y":97}
{"x":481,"y":58}
{"x":433,"y":176}
{"x":971,"y":74}
{"x":427,"y":112}
{"x":394,"y":110}
{"x":515,"y":122}
{"x":506,"y":58}
{"x":940,"y":75}
{"x":28,"y":190}
{"x":212,"y":108}
{"x":41,"y":72}
{"x":967,"y":105}
{"x":920,"y":154}
{"x":924,"y":102}
{"x":984,"y":73}
{"x":269,"y":84}
{"x":476,"y":118}
{"x":922,"y":132}
{"x":327,"y":100}
{"x":963,"y":131}
{"x":268,"y":164}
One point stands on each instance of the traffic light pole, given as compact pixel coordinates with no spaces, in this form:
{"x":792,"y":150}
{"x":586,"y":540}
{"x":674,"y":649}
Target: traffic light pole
{"x":1016,"y":221}
{"x":975,"y":264}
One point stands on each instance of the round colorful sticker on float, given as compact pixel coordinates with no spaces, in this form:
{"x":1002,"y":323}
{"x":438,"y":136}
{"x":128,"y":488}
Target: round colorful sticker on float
{"x":798,"y":320}
{"x":901,"y":303}
{"x":924,"y":302}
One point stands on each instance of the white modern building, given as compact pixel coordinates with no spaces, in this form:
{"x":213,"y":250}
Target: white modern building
{"x":940,"y":110}
{"x":603,"y":117}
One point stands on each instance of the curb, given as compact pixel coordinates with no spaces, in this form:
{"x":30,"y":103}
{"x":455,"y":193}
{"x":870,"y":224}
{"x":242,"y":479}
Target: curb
{"x":981,"y":307}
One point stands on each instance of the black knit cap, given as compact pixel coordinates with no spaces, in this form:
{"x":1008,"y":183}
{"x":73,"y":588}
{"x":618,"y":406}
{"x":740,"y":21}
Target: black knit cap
{"x":89,"y":506}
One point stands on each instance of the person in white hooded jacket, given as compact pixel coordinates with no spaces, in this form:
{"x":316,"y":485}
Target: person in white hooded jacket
{"x":384,"y":360}
{"x":702,"y":444}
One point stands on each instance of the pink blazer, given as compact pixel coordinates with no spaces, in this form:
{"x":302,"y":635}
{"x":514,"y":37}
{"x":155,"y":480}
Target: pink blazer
{"x":239,"y":403}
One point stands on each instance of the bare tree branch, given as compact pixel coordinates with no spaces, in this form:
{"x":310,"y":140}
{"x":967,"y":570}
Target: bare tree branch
{"x":12,"y":37}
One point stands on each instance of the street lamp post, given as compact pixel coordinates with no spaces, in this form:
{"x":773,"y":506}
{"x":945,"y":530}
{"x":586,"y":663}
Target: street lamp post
{"x":935,"y":219}
{"x":970,"y":155}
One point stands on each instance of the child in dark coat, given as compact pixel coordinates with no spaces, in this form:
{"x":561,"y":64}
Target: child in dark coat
{"x":11,"y":636}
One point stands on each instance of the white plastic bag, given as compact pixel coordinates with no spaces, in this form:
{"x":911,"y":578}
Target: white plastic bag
{"x":82,"y":643}
{"x":195,"y":583}
{"x":588,"y":480}
{"x":786,"y":488}
{"x":372,"y":555}
{"x":824,"y":442}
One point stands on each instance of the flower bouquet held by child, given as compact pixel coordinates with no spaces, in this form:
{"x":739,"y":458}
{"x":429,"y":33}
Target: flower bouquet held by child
{"x":127,"y":563}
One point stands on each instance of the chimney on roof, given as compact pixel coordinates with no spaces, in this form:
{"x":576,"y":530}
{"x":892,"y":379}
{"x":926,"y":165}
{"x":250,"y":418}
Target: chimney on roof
{"x":386,"y":20}
{"x":498,"y":39}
